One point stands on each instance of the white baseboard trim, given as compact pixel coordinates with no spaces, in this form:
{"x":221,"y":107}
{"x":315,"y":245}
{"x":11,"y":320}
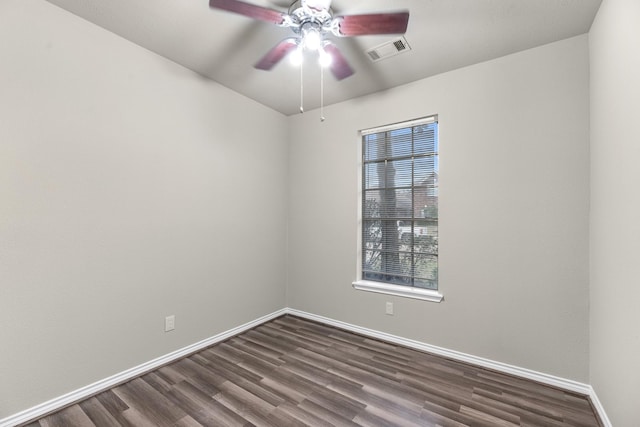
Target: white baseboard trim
{"x":563,"y":383}
{"x":107,"y":383}
{"x":99,"y":386}
{"x":599,"y":408}
{"x":552,"y":380}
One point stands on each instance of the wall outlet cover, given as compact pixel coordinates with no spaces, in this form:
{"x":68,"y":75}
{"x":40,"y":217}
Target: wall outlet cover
{"x":169,"y":323}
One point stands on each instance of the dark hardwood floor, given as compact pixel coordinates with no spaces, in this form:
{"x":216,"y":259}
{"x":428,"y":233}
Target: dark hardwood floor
{"x":294,"y":372}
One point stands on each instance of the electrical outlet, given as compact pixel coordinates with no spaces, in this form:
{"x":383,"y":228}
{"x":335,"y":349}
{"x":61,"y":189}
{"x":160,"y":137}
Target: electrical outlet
{"x":389,"y":308}
{"x":169,"y":323}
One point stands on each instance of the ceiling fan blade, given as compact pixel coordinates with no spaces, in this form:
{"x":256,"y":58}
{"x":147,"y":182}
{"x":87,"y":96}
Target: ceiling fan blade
{"x":378,"y":23}
{"x":340,"y":68}
{"x":250,"y":10}
{"x":276,"y":54}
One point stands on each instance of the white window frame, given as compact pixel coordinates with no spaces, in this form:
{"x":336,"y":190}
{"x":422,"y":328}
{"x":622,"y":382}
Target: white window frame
{"x":381,"y":287}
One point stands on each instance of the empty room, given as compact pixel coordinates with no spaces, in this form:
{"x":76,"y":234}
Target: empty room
{"x":315,"y":212}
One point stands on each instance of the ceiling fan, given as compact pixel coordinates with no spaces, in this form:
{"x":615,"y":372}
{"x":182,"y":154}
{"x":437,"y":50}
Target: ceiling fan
{"x":311,"y":21}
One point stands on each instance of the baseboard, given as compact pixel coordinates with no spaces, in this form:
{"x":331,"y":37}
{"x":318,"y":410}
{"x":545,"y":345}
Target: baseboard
{"x":604,"y":419}
{"x":92,"y":389}
{"x":551,"y":380}
{"x":540,"y":377}
{"x":107,"y":383}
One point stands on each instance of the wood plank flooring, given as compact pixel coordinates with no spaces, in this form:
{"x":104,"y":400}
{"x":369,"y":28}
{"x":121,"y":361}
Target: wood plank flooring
{"x":294,"y":372}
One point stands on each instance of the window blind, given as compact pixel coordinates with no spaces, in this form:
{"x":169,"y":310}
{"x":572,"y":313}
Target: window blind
{"x":400,"y":203}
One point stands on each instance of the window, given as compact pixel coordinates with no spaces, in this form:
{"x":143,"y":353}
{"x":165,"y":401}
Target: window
{"x":399,"y":223}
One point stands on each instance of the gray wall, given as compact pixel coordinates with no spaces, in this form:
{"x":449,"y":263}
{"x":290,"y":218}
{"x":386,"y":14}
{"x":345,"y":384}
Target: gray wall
{"x":615,"y":209}
{"x":514,"y":199}
{"x":130,"y":189}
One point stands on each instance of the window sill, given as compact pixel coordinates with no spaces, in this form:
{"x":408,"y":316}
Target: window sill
{"x":398,"y":290}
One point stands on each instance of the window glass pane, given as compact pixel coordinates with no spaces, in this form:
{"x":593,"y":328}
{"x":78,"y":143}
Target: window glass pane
{"x":372,"y":234}
{"x":401,"y":142}
{"x":426,"y":271}
{"x":374,"y":175}
{"x":372,"y":207}
{"x":425,"y":239}
{"x":389,"y":271}
{"x":425,"y":202}
{"x":425,"y":172}
{"x":386,"y":278}
{"x":390,"y":240}
{"x":375,"y":146}
{"x":398,"y":173}
{"x":425,"y":141}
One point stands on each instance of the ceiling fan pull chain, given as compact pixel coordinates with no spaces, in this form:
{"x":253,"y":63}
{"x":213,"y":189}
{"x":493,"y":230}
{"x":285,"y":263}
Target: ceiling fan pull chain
{"x":322,"y":94}
{"x":301,"y":88}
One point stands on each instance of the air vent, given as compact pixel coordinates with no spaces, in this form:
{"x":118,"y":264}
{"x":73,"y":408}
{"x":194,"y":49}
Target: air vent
{"x":388,"y":49}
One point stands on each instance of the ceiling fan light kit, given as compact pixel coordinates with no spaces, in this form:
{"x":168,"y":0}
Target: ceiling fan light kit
{"x":311,"y":22}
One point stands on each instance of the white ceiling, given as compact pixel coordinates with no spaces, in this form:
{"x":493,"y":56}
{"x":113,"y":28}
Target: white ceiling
{"x":443,"y":35}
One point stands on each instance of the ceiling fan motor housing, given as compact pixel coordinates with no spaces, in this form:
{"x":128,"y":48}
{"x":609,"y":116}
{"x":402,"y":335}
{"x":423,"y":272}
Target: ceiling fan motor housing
{"x":302,"y":16}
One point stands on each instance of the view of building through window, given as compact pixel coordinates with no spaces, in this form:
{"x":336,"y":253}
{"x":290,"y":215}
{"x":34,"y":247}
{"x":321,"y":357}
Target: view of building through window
{"x":400,"y":205}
